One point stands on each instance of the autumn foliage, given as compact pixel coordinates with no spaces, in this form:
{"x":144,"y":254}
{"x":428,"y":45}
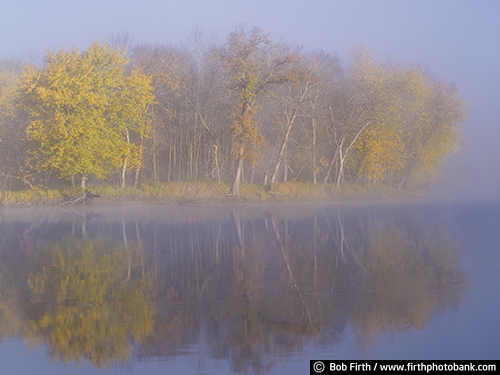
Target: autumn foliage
{"x":248,"y":109}
{"x":82,"y":109}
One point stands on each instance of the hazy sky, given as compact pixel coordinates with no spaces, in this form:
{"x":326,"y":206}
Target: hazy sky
{"x":456,"y":40}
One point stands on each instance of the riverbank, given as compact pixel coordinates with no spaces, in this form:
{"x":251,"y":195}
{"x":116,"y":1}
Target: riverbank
{"x":201,"y":192}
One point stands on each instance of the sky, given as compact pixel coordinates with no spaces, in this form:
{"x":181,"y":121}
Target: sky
{"x":458,"y":41}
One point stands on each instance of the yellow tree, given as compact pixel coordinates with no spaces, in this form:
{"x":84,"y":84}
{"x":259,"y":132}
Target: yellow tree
{"x":414,"y":126}
{"x":433,"y":132}
{"x":134,"y":101}
{"x":82,"y":108}
{"x":383,"y":88}
{"x":413,"y":122}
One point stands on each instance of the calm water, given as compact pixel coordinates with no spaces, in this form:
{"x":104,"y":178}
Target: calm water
{"x":246,"y":289}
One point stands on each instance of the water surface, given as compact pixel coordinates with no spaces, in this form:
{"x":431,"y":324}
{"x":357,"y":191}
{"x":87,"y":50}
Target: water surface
{"x":246,"y":288}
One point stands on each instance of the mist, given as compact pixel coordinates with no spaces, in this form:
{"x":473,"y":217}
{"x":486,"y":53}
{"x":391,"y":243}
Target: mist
{"x":177,"y":282}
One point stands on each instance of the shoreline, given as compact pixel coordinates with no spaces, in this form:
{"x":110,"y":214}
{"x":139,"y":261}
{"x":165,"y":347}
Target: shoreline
{"x":210,"y":194}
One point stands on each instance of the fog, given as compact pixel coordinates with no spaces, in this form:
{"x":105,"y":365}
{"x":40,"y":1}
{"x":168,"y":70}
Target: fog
{"x":262,"y":288}
{"x":457,"y":41}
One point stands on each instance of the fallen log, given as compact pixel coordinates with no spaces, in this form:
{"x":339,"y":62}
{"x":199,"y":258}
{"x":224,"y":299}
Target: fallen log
{"x":86,"y":197}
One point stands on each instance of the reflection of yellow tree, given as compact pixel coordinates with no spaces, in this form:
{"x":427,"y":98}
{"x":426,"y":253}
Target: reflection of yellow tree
{"x":407,"y":279}
{"x":83,"y":303}
{"x":9,"y":316}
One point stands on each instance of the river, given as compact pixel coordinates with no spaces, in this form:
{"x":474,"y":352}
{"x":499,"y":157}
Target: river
{"x":246,"y":288}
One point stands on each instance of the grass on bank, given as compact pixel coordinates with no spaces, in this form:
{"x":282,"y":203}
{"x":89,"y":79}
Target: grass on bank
{"x":200,"y":190}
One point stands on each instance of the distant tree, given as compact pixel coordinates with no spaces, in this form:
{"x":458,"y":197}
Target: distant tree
{"x":83,"y":109}
{"x":354,"y":105}
{"x":190,"y":135}
{"x":160,"y":63}
{"x":208,"y":104}
{"x":382,"y":89}
{"x":414,"y":123}
{"x":253,"y":63}
{"x":292,"y":100}
{"x":13,"y":145}
{"x":432,"y":132}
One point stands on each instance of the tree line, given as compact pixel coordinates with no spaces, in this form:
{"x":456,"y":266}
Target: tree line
{"x":247,"y":109}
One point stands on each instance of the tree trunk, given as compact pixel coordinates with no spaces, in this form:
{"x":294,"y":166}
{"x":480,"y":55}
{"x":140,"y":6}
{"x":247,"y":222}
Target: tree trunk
{"x":285,"y":166}
{"x":124,"y":173}
{"x":155,"y":172}
{"x":216,"y":161}
{"x":280,"y":157}
{"x":136,"y":179}
{"x":235,"y":187}
{"x":124,"y":169}
{"x":340,"y":173}
{"x":83,"y":182}
{"x":282,"y":153}
{"x":330,"y":167}
{"x":314,"y":149}
{"x":343,"y":153}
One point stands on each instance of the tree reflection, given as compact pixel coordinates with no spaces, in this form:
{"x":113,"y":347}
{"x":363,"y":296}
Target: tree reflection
{"x":248,"y":287}
{"x":83,"y":303}
{"x":411,"y":276}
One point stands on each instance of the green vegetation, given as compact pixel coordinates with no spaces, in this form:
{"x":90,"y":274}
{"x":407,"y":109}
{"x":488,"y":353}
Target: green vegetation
{"x":248,"y":112}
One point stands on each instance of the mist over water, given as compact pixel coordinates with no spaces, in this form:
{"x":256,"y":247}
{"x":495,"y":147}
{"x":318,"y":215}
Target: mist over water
{"x":246,"y":288}
{"x":470,"y":175}
{"x":262,"y":288}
